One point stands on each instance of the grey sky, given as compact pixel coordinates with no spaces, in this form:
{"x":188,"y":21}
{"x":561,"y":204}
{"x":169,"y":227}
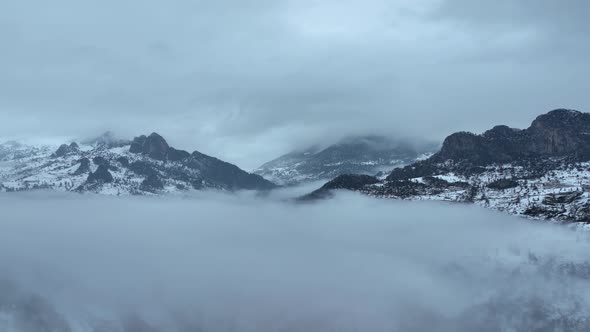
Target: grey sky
{"x":247,"y":80}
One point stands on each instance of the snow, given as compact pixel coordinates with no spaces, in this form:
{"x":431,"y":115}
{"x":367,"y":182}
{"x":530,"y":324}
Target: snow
{"x":424,"y":156}
{"x":451,"y":177}
{"x":39,"y":170}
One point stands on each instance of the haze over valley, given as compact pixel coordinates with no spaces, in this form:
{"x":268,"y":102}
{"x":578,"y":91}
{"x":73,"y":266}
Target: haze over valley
{"x":294,"y":166}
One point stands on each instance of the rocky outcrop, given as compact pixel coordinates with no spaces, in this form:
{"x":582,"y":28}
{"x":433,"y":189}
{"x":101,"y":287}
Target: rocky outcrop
{"x":353,"y":182}
{"x":149,"y":165}
{"x":99,"y":160}
{"x":498,"y":145}
{"x":503,"y":184}
{"x":154,"y":146}
{"x":177,"y":155}
{"x":462,"y":144}
{"x":152,"y":184}
{"x":101,"y":175}
{"x":540,"y":172}
{"x":350,"y":181}
{"x":368,"y":155}
{"x":562,"y":198}
{"x":142,"y":168}
{"x":65,"y":150}
{"x":558,"y":133}
{"x":228,"y":175}
{"x":123,"y":161}
{"x":84,"y":167}
{"x":137,"y":144}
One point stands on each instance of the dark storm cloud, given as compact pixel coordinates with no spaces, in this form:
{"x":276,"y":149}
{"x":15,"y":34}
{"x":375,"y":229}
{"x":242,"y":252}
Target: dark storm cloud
{"x":229,"y":77}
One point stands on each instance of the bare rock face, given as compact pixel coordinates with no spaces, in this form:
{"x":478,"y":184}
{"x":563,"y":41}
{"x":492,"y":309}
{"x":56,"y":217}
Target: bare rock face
{"x":459,"y":145}
{"x":160,"y":168}
{"x":65,"y":150}
{"x":177,"y":155}
{"x":369,"y":154}
{"x":154,"y":146}
{"x":354,"y":181}
{"x":123,"y":161}
{"x":152,"y":184}
{"x":102,"y":175}
{"x":98,"y":160}
{"x":558,"y":133}
{"x":345,"y":181}
{"x":497,"y":145}
{"x":137,"y":144}
{"x":84,"y":167}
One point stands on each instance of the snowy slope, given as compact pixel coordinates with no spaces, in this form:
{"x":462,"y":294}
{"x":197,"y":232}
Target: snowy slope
{"x":541,"y":172}
{"x":361,"y":155}
{"x":112,"y":169}
{"x":560,"y":194}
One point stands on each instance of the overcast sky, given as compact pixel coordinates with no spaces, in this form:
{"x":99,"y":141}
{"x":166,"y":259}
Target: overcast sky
{"x":247,"y":80}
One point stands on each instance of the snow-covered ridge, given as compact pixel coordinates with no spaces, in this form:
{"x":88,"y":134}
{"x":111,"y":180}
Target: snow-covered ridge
{"x":541,"y":172}
{"x":360,"y":155}
{"x":559,"y":194}
{"x":113,"y":168}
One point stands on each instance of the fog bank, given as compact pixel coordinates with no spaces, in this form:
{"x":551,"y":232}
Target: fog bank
{"x":215,"y":262}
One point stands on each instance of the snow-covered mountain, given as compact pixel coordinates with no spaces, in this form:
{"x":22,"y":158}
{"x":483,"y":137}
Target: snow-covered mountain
{"x":360,"y":155}
{"x":541,"y":172}
{"x":106,"y":165}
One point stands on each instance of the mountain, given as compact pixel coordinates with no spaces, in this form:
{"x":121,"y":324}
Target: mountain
{"x":362,"y":155}
{"x":541,"y":172}
{"x":145,"y":165}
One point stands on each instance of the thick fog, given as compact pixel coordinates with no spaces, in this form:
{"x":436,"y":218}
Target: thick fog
{"x":247,"y":263}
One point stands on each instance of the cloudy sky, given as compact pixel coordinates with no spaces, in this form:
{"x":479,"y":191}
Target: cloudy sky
{"x":247,"y":80}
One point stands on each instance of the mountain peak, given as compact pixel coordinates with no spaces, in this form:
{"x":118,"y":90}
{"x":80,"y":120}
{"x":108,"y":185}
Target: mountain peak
{"x":101,"y":175}
{"x":557,"y":133}
{"x":500,"y":131}
{"x":461,"y":144}
{"x":154,"y":145}
{"x":563,"y":112}
{"x":369,"y":155}
{"x":157,"y":136}
{"x":146,"y":165}
{"x":560,"y":118}
{"x":65,"y":150}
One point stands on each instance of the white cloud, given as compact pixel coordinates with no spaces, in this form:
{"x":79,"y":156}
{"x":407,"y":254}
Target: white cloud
{"x":252,"y":264}
{"x":203,"y":71}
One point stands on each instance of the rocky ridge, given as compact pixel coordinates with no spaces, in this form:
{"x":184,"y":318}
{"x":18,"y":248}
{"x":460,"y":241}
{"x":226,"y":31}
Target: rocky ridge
{"x":145,"y":165}
{"x":369,"y":155}
{"x":541,"y":172}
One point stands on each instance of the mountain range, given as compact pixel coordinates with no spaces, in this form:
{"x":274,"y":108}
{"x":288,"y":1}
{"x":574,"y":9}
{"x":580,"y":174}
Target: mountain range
{"x":144,"y":165}
{"x":541,"y":172}
{"x":357,"y":155}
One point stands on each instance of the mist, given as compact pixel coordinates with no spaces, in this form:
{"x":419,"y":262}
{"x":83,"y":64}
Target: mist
{"x":228,"y":76}
{"x":217,"y":262}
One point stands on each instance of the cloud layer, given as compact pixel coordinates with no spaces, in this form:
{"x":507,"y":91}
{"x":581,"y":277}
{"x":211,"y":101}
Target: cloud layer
{"x":227,"y":77}
{"x":239,"y":263}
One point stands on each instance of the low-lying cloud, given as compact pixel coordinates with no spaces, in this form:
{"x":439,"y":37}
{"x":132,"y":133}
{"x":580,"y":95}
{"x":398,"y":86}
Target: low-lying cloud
{"x":242,"y":263}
